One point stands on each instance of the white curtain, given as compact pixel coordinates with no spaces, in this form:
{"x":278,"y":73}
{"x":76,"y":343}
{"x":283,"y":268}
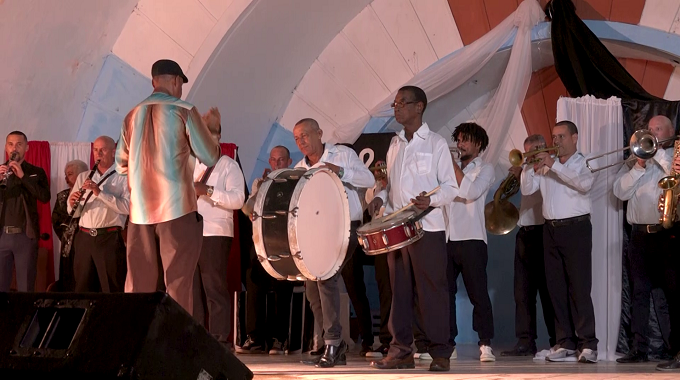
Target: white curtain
{"x":452,"y":71}
{"x":600,"y":126}
{"x":62,"y":153}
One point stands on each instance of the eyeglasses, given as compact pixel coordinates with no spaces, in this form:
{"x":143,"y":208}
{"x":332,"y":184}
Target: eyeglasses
{"x":401,"y":104}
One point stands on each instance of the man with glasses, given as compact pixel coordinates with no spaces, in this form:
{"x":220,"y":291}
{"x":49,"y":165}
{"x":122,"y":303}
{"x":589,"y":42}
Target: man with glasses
{"x":418,"y":161}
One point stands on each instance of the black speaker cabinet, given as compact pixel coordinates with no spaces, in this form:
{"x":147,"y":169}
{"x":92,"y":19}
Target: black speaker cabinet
{"x":108,"y":336}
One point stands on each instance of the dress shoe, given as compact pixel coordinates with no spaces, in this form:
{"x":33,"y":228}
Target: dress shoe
{"x":334,"y":355}
{"x":315,"y":358}
{"x":394,"y":363}
{"x":673,"y":365}
{"x":440,"y":364}
{"x":521,"y":350}
{"x":634,"y":356}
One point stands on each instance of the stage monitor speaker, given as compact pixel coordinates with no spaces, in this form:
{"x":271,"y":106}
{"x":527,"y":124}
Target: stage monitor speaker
{"x":108,"y":336}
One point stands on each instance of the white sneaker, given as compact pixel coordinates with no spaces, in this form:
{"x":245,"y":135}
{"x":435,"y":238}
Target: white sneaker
{"x":454,"y":354}
{"x":588,"y":356}
{"x":486,"y":354}
{"x":560,"y":354}
{"x":540,"y":355}
{"x":423,"y":356}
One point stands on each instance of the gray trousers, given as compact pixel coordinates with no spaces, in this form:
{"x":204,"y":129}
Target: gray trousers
{"x":211,"y":294}
{"x":324,"y":297}
{"x":20,"y":251}
{"x":419,"y":271}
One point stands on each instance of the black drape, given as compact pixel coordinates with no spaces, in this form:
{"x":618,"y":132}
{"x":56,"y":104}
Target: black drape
{"x":583,"y":63}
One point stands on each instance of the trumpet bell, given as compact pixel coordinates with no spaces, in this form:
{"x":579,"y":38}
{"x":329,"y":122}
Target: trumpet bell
{"x":500,"y":217}
{"x":516,"y":157}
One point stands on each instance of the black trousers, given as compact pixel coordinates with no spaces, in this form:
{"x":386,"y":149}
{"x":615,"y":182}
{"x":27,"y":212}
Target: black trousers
{"x":646,"y":257}
{"x":420,"y":269}
{"x":353,"y":276}
{"x":20,"y":252}
{"x":529,"y":282}
{"x":568,"y":268}
{"x":382,"y":277}
{"x":469,"y":258}
{"x":671,"y":286}
{"x":67,"y":280}
{"x":100,"y":263}
{"x":211,"y":293}
{"x":258,"y":284}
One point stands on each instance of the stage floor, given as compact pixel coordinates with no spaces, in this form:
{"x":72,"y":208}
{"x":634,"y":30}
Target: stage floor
{"x":467,"y":366}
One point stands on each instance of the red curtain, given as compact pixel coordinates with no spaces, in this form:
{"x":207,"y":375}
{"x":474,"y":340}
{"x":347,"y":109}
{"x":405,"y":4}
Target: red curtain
{"x":38,"y":154}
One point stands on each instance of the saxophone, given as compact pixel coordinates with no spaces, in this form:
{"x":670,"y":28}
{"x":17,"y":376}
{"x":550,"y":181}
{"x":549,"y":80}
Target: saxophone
{"x":668,"y":201}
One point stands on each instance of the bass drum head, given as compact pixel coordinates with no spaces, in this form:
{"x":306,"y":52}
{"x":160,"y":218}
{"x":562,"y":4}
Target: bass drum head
{"x":320,"y":228}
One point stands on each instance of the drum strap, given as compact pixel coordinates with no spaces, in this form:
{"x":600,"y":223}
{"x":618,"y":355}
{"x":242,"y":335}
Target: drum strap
{"x":206,"y":174}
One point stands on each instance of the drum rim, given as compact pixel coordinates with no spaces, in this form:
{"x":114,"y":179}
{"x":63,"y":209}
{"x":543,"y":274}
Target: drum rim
{"x":419,"y":235}
{"x":293,"y":227}
{"x":394,"y":222}
{"x":258,"y":239}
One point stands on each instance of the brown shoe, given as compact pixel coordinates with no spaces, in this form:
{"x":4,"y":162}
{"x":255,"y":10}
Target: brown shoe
{"x":394,"y":363}
{"x":440,"y":364}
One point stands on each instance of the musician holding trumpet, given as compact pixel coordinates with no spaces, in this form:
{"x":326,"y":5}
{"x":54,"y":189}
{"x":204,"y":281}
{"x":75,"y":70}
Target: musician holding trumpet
{"x":100,"y":264}
{"x":565,"y":182}
{"x":638,"y":184}
{"x":21,"y":187}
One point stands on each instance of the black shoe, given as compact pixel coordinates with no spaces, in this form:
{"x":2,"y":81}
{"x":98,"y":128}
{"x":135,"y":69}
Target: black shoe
{"x":634,"y":356}
{"x":315,"y":358}
{"x":521,"y":350}
{"x":380,"y":352}
{"x":251,"y":347}
{"x":365,"y":349}
{"x":317,"y":352}
{"x":334,"y":355}
{"x":671,"y":366}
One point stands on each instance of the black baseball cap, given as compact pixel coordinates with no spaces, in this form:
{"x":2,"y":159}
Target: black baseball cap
{"x":167,"y":67}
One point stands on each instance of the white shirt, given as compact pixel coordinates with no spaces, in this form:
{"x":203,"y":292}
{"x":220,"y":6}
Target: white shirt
{"x":420,"y":165}
{"x":355,"y":174}
{"x":466,"y":212}
{"x":108,"y":209}
{"x":228,"y":195}
{"x":639,"y":187}
{"x":531,"y":210}
{"x":565,"y":187}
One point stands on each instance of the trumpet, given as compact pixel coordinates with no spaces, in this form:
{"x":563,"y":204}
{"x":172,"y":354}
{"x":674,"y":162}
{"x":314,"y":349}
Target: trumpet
{"x":379,"y":170}
{"x":643,"y":145}
{"x":9,"y":172}
{"x":517,"y":158}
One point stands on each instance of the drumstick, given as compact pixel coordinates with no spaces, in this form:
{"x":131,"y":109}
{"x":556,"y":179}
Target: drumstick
{"x":388,"y":217}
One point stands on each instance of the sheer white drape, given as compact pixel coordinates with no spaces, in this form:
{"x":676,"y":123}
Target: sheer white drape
{"x":600,"y":125}
{"x":62,"y":153}
{"x":452,"y":71}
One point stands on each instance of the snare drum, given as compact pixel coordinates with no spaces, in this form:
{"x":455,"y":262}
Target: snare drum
{"x":391,"y":233}
{"x":301,"y":224}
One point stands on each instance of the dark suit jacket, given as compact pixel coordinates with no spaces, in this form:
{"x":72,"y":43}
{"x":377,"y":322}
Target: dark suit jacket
{"x":34,"y":186}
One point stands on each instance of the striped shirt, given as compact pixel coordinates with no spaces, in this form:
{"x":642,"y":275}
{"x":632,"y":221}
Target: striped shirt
{"x":159,"y":140}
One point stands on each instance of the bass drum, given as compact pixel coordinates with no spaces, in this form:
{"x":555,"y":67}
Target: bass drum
{"x":301,"y":224}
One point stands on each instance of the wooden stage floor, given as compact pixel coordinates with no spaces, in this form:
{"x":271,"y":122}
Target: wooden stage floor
{"x":467,"y":366}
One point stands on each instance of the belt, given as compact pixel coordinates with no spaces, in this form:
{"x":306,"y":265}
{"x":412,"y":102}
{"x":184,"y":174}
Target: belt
{"x":647,"y":228}
{"x":12,"y":230}
{"x":100,"y":231}
{"x":567,"y":221}
{"x":531,"y":228}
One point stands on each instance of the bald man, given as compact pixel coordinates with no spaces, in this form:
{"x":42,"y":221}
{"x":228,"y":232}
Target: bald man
{"x":638,"y":184}
{"x":324,"y":296}
{"x":99,"y":263}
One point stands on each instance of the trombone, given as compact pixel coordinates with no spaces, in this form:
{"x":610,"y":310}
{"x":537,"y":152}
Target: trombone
{"x":517,"y":158}
{"x":643,"y":145}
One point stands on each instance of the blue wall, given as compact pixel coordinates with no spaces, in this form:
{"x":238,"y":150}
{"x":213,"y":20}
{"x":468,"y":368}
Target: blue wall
{"x":118,"y":89}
